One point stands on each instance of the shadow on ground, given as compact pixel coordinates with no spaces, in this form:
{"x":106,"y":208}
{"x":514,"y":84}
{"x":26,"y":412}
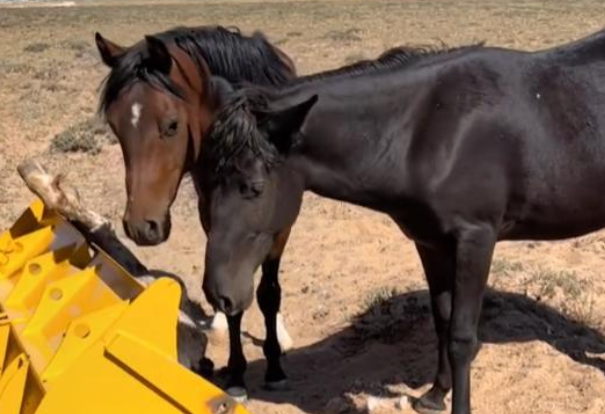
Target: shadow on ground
{"x":394,"y":343}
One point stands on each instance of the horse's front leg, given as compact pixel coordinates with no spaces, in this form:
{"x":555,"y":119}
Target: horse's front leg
{"x":268,"y":296}
{"x":474,"y":250}
{"x":236,"y":386}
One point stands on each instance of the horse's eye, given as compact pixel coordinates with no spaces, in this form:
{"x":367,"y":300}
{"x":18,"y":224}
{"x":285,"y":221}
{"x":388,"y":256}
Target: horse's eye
{"x":257,"y":187}
{"x":171,"y":128}
{"x":252,"y":189}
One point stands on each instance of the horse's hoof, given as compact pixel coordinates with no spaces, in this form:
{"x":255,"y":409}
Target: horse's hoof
{"x":223,"y":373}
{"x":425,"y":407}
{"x":281,"y":385}
{"x":239,"y":394}
{"x":205,"y":368}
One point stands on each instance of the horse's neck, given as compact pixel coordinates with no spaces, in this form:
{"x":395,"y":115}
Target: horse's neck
{"x":340,"y":158}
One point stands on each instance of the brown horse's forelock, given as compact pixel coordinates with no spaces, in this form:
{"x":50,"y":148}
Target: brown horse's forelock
{"x":131,"y":69}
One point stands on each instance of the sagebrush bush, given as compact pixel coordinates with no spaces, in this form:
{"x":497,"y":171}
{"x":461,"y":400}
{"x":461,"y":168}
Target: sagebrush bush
{"x":88,"y":136}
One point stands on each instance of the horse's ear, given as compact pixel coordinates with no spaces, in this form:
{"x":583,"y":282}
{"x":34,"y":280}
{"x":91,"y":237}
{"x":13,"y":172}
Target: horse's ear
{"x":221,"y":90}
{"x":159,"y":56}
{"x":281,"y":126}
{"x":110,"y":52}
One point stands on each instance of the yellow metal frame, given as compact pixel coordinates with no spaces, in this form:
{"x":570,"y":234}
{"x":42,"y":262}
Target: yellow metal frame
{"x":79,"y":335}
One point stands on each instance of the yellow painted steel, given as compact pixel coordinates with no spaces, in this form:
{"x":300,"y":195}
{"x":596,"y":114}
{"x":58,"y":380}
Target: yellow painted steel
{"x":80,"y":335}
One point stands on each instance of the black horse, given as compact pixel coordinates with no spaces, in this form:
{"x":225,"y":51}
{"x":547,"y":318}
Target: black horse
{"x":461,"y":148}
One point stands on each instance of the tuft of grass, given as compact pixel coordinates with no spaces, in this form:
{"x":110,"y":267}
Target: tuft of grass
{"x":49,"y":73}
{"x":71,"y":141}
{"x":354,"y":58}
{"x":88,"y":137}
{"x":82,"y":49}
{"x":549,"y":282}
{"x":344,"y":36}
{"x":281,"y":42}
{"x":566,"y":291}
{"x":37,"y":47}
{"x":77,"y":45}
{"x":14,"y":67}
{"x":379,"y":297}
{"x":504,"y":267}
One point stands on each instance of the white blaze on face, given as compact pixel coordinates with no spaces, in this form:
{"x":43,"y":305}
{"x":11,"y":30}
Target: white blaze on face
{"x":136,"y":114}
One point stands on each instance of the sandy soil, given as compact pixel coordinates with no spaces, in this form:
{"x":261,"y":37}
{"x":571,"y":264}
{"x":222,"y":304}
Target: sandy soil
{"x":355,"y":300}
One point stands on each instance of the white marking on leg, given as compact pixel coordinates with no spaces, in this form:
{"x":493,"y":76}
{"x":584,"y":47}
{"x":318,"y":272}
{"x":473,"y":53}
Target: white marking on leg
{"x":283,"y":337}
{"x":219,"y":322}
{"x":191,"y":342}
{"x":136,"y":114}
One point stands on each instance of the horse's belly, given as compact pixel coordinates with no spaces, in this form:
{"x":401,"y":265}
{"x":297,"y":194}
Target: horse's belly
{"x":562,"y":226}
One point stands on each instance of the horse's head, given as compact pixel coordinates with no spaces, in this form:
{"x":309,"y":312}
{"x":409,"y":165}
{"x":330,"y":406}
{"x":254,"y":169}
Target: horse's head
{"x":158,"y":101}
{"x":250,"y":193}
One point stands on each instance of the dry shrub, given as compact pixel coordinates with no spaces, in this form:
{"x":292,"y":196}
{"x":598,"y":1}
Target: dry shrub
{"x":354,"y":58}
{"x":37,"y":47}
{"x":88,"y":136}
{"x":567,"y":292}
{"x":344,"y":36}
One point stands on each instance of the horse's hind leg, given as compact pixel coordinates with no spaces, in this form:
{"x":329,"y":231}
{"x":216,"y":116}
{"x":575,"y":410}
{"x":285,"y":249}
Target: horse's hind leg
{"x":269,"y":301}
{"x":439,"y":270}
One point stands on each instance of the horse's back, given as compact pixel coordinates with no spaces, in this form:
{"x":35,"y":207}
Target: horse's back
{"x":523,"y":146}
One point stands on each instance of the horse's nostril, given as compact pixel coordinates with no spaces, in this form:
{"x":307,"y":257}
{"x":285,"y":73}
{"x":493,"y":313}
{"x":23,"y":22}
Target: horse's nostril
{"x":127,"y":229}
{"x":153,"y":229}
{"x":225,"y":304}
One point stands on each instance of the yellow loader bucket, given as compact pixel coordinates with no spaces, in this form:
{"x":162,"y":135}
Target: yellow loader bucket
{"x":80,"y":335}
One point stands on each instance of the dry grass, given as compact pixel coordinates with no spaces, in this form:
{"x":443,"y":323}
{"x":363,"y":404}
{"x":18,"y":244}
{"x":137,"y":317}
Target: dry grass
{"x":344,"y":36}
{"x":505,"y":267}
{"x":572,"y":294}
{"x":36,"y":47}
{"x":378,"y":298}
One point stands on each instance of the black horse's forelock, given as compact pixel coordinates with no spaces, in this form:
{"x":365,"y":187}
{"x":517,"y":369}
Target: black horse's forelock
{"x":226,"y":52}
{"x":235,"y":133}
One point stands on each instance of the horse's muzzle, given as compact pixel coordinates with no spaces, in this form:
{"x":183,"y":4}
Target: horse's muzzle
{"x":148,"y":232}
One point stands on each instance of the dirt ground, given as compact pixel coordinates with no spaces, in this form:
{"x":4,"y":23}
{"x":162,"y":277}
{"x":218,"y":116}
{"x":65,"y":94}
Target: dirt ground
{"x":355,"y":300}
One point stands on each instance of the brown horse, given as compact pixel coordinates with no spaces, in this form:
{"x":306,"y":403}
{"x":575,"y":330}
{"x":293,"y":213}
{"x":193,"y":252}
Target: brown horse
{"x":159,"y":99}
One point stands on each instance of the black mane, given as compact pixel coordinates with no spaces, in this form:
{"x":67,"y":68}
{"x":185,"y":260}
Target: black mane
{"x":227,"y":52}
{"x":234,"y":130}
{"x":396,"y":57}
